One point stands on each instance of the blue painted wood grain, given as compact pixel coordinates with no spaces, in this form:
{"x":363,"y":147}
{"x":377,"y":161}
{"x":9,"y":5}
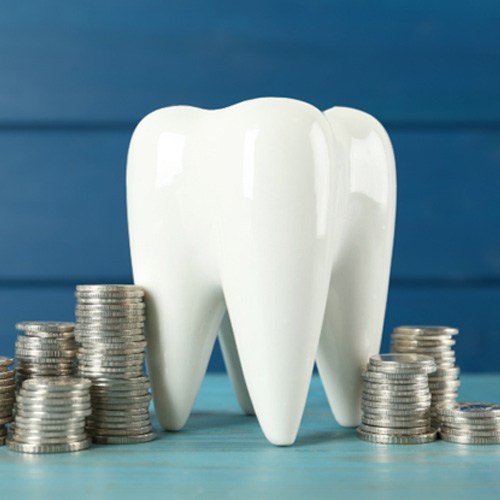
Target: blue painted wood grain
{"x":117,"y":60}
{"x":76,"y":76}
{"x":64,"y":213}
{"x":222,"y":454}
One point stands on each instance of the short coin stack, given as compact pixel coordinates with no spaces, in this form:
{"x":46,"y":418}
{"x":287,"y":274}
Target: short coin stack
{"x":470,"y":423}
{"x":438,"y":342}
{"x":7,"y":395}
{"x":50,"y":415}
{"x":110,"y":330}
{"x":396,"y":400}
{"x":45,"y":349}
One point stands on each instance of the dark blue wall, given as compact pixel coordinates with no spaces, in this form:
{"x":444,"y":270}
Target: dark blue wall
{"x":76,"y":76}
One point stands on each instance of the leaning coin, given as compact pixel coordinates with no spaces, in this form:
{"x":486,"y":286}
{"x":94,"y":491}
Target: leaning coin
{"x":397,"y":439}
{"x":42,"y":448}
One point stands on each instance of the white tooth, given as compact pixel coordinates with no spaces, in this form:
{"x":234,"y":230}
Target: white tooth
{"x":246,"y":207}
{"x":233,"y":366}
{"x":354,"y":316}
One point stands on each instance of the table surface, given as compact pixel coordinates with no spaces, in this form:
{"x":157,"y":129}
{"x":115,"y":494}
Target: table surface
{"x":222,"y":453}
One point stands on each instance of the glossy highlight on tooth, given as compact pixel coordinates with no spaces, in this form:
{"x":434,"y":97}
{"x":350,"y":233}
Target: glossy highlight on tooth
{"x":270,"y":224}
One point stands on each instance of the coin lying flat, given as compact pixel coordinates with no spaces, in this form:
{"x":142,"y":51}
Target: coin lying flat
{"x":141,"y":438}
{"x":426,"y":437}
{"x":48,"y":448}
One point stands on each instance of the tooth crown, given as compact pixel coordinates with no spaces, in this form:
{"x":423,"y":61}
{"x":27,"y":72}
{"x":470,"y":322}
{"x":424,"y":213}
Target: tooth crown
{"x":282,"y":215}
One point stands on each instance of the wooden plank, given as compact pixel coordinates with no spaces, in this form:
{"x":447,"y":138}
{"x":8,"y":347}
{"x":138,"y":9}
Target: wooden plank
{"x":222,"y":453}
{"x":62,"y":200}
{"x":472,"y":309}
{"x":117,"y":60}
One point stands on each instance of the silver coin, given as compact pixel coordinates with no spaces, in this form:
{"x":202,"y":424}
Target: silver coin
{"x":49,"y":402}
{"x":397,"y":439}
{"x":14,"y":445}
{"x":45,"y":326}
{"x":402,"y":362}
{"x":112,"y":317}
{"x":393,"y":401}
{"x":125,"y":440}
{"x":394,"y":378}
{"x":112,"y":352}
{"x":28,"y":437}
{"x":5,"y":362}
{"x":123,"y":306}
{"x":468,"y":432}
{"x":124,"y":423}
{"x":408,"y":431}
{"x":120,"y":432}
{"x":452,"y":438}
{"x":104,"y":300}
{"x":395,"y":423}
{"x":426,"y":330}
{"x":110,"y":288}
{"x":96,"y":343}
{"x":471,"y":410}
{"x":488,"y":422}
{"x":58,"y":384}
{"x":387,"y":413}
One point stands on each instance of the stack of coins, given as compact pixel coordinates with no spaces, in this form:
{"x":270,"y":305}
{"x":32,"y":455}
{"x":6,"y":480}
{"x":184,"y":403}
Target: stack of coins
{"x":396,"y":400}
{"x":45,"y":349}
{"x":7,"y":395}
{"x":438,"y":342}
{"x":110,"y":330}
{"x":50,"y":415}
{"x":470,"y":423}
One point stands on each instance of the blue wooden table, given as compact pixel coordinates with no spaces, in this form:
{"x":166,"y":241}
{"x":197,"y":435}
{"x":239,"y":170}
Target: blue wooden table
{"x":222,"y":454}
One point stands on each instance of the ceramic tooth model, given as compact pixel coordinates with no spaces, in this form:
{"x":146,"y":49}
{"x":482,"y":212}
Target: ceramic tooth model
{"x":281,"y":215}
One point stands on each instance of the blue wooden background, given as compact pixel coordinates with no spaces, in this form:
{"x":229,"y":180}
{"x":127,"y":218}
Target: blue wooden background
{"x":76,"y":76}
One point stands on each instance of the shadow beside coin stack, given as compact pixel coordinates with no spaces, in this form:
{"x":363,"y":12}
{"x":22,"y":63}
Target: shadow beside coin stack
{"x":396,"y":400}
{"x":110,"y":332}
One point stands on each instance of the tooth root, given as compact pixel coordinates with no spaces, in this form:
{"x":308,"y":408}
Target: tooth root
{"x":180,"y":341}
{"x":276,"y":267}
{"x":233,"y":366}
{"x":184,"y":306}
{"x":356,"y":303}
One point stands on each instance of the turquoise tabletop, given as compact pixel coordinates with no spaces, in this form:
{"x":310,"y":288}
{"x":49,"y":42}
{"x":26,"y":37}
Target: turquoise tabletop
{"x":222,"y":453}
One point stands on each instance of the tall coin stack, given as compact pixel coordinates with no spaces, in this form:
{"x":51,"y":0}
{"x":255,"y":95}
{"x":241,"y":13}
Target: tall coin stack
{"x":470,"y":423}
{"x":45,"y":349}
{"x":438,"y":342}
{"x":7,"y":395}
{"x":110,"y":330}
{"x":50,"y":415}
{"x":396,"y":400}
